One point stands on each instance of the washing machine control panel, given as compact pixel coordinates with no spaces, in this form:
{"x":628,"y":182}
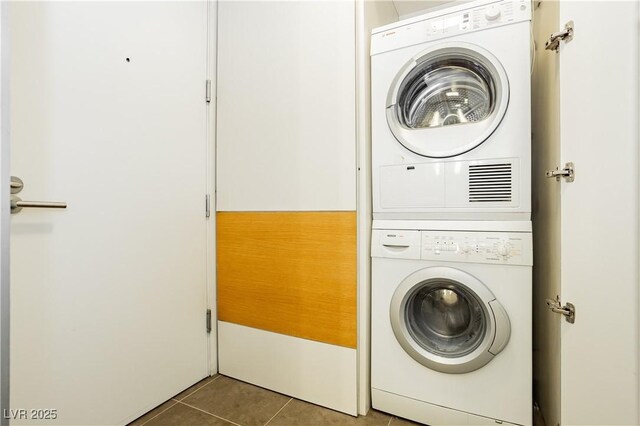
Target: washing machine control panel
{"x":478,"y":247}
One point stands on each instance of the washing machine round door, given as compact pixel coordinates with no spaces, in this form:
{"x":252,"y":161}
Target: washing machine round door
{"x":448,"y":320}
{"x":447,"y":100}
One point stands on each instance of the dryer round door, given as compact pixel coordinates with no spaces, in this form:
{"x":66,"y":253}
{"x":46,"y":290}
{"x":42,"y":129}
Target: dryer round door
{"x":447,"y":100}
{"x":448,"y":320}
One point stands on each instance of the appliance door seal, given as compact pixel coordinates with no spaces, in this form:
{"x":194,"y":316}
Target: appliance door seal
{"x":447,"y":320}
{"x":447,"y":100}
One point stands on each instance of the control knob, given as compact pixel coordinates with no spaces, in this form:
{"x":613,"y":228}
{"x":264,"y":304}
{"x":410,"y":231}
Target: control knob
{"x":503,"y":249}
{"x":492,"y":13}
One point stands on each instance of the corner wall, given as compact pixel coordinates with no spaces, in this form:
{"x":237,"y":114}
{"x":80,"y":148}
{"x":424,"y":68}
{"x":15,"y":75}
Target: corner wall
{"x":369,"y":15}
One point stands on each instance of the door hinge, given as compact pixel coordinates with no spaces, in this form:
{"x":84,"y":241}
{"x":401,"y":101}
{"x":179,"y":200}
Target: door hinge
{"x":207,"y":205}
{"x":208,"y":91}
{"x":208,"y":320}
{"x":568,"y":173}
{"x":565,"y":35}
{"x":568,"y":310}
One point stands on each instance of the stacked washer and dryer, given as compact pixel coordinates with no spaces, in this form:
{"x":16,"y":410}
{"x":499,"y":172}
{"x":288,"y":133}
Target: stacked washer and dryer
{"x":451,"y":243}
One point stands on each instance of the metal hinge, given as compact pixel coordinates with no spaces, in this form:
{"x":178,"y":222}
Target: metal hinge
{"x":565,"y":35}
{"x":568,"y":173}
{"x":207,"y":205}
{"x":568,"y":310}
{"x":208,"y":320}
{"x":208,"y":91}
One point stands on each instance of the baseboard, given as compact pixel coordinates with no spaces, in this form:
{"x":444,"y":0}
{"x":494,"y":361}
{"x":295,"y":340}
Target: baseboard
{"x":316,"y":372}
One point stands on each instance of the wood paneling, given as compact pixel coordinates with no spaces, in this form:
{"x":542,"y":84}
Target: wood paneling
{"x":289,"y":272}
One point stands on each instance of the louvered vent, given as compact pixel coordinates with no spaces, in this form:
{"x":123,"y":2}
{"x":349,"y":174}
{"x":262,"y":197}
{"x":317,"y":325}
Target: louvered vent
{"x":490,"y":183}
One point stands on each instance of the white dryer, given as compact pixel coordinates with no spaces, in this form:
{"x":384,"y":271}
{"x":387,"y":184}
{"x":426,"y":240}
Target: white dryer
{"x":450,"y":109}
{"x":451,"y":321}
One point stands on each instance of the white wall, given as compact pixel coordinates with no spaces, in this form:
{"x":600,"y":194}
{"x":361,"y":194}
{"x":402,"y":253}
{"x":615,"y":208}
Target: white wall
{"x":286,"y":102}
{"x":409,"y":8}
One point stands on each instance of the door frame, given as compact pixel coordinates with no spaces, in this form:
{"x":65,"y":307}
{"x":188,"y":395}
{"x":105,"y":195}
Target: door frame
{"x":5,"y":215}
{"x":212,"y":68}
{"x":364,"y":206}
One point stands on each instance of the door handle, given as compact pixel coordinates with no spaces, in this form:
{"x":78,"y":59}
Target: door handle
{"x":17,"y":204}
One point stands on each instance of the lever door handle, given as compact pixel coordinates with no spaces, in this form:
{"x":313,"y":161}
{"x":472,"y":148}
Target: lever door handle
{"x":17,"y":204}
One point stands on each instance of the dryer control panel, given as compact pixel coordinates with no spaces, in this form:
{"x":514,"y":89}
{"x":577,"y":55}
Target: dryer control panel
{"x":449,"y":22}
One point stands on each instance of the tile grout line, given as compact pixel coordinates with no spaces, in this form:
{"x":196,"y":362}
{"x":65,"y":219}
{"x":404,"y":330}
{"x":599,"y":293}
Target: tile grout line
{"x":201,"y":387}
{"x":390,"y":419}
{"x":175,"y":401}
{"x":171,"y":406}
{"x":278,"y":412}
{"x":211,"y":414}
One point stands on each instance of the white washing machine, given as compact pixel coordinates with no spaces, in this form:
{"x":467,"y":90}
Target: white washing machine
{"x":450,"y":109}
{"x":451,"y":321}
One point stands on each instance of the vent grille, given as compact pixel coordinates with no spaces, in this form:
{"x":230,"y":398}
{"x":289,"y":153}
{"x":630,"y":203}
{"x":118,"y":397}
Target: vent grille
{"x":490,"y":183}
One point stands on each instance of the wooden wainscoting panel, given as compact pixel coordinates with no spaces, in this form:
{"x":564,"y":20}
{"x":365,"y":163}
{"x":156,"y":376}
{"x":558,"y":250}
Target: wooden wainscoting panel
{"x":289,"y":272}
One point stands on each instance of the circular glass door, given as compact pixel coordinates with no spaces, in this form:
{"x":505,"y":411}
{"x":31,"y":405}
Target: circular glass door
{"x":447,"y":100}
{"x":444,"y":319}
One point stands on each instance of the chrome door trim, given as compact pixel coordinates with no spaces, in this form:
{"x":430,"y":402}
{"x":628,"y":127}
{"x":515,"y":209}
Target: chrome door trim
{"x":488,"y":60}
{"x":498,"y":328}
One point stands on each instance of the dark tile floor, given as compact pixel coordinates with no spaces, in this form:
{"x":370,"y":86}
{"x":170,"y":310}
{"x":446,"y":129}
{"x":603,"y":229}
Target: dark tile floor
{"x":220,"y":401}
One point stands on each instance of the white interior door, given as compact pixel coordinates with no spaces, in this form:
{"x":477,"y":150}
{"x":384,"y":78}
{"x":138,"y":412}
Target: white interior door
{"x":599,"y":213}
{"x":586,"y":231}
{"x":108,"y":296}
{"x":545,"y":126}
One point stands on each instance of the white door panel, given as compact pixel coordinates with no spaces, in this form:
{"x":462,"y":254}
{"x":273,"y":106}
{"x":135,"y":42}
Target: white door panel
{"x":545,"y":123}
{"x":600,"y":351}
{"x":586,"y":231}
{"x":109,"y":295}
{"x":421,"y":185}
